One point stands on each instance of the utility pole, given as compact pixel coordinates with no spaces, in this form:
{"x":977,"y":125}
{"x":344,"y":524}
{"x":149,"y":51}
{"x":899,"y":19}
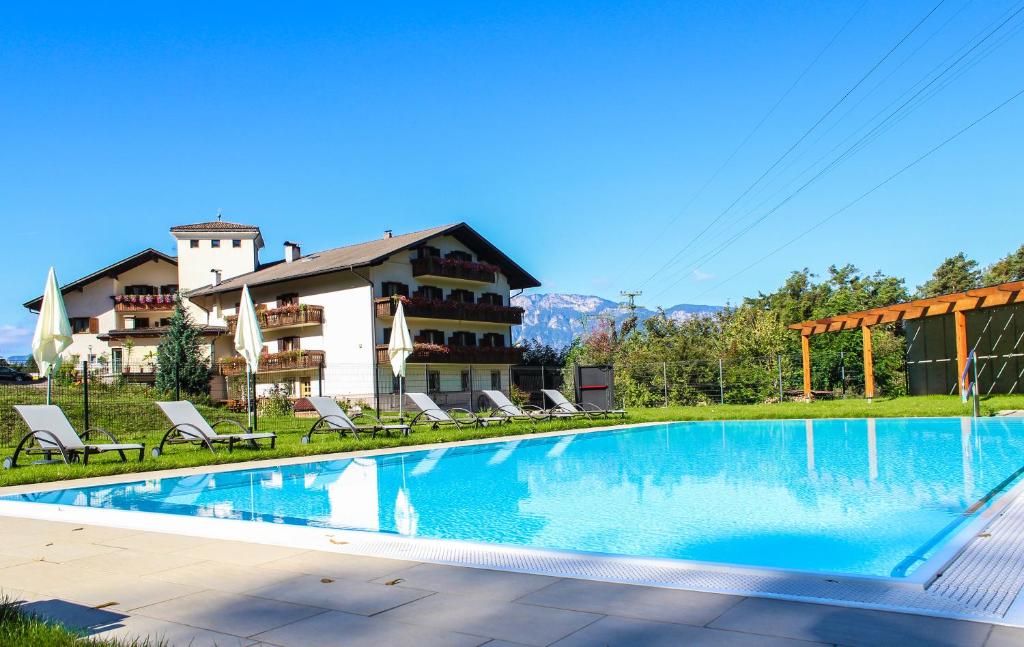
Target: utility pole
{"x":631,"y":297}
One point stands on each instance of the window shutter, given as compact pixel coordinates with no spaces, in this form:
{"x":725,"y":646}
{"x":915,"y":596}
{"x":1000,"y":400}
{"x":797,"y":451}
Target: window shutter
{"x":94,"y":326}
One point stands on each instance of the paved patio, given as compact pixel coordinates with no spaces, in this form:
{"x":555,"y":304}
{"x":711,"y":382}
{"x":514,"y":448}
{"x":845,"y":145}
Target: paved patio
{"x":195,"y":591}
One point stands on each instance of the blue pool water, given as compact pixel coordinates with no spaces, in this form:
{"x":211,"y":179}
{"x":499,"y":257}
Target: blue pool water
{"x":870,"y":497}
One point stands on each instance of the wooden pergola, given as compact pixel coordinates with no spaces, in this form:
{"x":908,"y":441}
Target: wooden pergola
{"x":958,"y":303}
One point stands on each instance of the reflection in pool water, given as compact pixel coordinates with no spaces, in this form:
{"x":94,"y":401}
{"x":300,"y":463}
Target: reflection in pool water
{"x":852,"y":496}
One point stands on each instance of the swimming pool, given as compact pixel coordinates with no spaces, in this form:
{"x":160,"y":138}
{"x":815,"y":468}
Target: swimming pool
{"x":857,"y":497}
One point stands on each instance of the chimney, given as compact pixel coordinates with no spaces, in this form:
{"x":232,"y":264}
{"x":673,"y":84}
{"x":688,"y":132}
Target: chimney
{"x":292,"y":251}
{"x":387,"y":233}
{"x":216,"y":277}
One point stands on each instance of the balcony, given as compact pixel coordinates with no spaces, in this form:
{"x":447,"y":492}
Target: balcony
{"x":434,"y":309}
{"x":284,"y":317}
{"x":143,"y":302}
{"x":437,"y":354}
{"x":289,"y":360}
{"x":451,"y":268}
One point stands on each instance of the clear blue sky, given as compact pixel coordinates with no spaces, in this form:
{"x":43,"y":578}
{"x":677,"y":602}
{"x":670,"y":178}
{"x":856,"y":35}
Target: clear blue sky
{"x":571,"y":134}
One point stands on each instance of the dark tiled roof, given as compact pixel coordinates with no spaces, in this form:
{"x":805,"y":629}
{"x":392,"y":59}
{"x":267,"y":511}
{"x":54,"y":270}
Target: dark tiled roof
{"x":119,"y":267}
{"x":215,"y":225}
{"x":371,"y":253}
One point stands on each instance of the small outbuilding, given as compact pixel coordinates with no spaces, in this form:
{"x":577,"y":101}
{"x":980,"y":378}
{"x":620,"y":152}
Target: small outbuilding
{"x":942,"y":333}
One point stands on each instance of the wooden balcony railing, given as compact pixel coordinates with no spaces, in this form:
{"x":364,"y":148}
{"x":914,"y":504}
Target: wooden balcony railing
{"x":289,"y":360}
{"x":286,"y":316}
{"x":437,"y":354}
{"x":454,"y":269}
{"x":144,"y":303}
{"x":434,"y":309}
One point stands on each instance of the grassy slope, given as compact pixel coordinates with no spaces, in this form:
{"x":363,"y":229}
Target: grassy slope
{"x":290,"y":430}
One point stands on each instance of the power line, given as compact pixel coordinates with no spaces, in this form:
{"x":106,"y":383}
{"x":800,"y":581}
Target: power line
{"x":867,"y":193}
{"x":756,"y":128}
{"x":846,"y":154}
{"x":800,"y":140}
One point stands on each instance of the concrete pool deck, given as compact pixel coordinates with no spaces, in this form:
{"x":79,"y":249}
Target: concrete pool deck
{"x":112,"y":582}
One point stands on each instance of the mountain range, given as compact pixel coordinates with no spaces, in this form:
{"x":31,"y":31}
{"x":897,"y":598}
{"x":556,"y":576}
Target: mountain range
{"x":556,"y":318}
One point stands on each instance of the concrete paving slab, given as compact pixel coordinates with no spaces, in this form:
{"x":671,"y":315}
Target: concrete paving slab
{"x":337,"y":628}
{"x":240,"y":553}
{"x":523,"y":623}
{"x":33,"y":576}
{"x":58,"y":552}
{"x":821,"y":623}
{"x":125,"y":592}
{"x":72,"y":615}
{"x":157,"y":542}
{"x":630,"y":632}
{"x":227,"y":578}
{"x":354,"y":567}
{"x":351,"y":596}
{"x":496,"y":585}
{"x":172,"y":633}
{"x":12,"y":560}
{"x":238,"y":615}
{"x":627,"y":600}
{"x":126,"y":561}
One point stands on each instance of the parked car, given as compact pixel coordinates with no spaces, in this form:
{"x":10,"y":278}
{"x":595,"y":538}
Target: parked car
{"x":8,"y":374}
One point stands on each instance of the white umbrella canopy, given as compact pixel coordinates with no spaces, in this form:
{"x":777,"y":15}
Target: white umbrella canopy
{"x":53,"y":330}
{"x":399,"y":348}
{"x":248,"y":341}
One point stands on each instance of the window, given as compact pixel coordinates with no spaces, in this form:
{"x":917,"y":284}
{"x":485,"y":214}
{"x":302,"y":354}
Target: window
{"x":305,"y":387}
{"x":214,"y":243}
{"x":462,"y":338}
{"x":491,"y":298}
{"x":139,"y":289}
{"x":462,"y":296}
{"x":432,"y":337}
{"x":193,"y":243}
{"x":116,"y":360}
{"x":496,"y":380}
{"x":291,"y":299}
{"x":427,"y":252}
{"x":394,"y":382}
{"x":79,"y":324}
{"x":142,"y":322}
{"x":166,"y":321}
{"x":459,"y":256}
{"x":236,"y":243}
{"x":387,"y":336}
{"x":492,"y":340}
{"x":169,"y":289}
{"x":288,"y":343}
{"x":430,"y":292}
{"x":433,"y":381}
{"x":464,"y":380}
{"x":391,"y":288}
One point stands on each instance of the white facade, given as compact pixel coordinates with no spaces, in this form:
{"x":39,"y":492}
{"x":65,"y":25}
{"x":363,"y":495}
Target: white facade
{"x":323,"y":331}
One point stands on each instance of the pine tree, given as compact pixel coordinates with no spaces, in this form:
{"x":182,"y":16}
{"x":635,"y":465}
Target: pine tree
{"x":955,"y":274}
{"x":180,"y":358}
{"x":1009,"y":268}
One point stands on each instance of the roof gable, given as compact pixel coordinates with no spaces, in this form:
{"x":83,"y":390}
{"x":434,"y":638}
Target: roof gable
{"x":121,"y":266}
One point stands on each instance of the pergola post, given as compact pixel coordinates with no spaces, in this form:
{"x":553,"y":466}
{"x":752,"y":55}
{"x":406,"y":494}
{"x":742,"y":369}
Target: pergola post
{"x":960,"y":321}
{"x":869,"y":363}
{"x":805,"y":349}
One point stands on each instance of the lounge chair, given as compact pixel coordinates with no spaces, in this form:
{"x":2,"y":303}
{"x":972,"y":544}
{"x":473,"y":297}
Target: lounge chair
{"x":561,"y":404}
{"x":435,"y":416}
{"x":189,"y":426}
{"x":333,"y":419}
{"x":505,"y":407}
{"x":53,"y":434}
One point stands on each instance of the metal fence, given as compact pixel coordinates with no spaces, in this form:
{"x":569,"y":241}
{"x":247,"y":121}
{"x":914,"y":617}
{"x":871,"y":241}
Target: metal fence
{"x":120,"y":399}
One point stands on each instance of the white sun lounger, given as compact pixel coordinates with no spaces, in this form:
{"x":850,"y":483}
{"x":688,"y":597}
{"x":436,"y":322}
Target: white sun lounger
{"x":562,"y":404}
{"x":505,"y":407}
{"x":54,"y":435}
{"x":436,"y":416}
{"x":334,"y":419}
{"x":189,"y":426}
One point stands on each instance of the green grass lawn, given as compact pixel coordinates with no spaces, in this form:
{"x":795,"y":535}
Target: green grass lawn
{"x":290,"y":429}
{"x":24,"y":630}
